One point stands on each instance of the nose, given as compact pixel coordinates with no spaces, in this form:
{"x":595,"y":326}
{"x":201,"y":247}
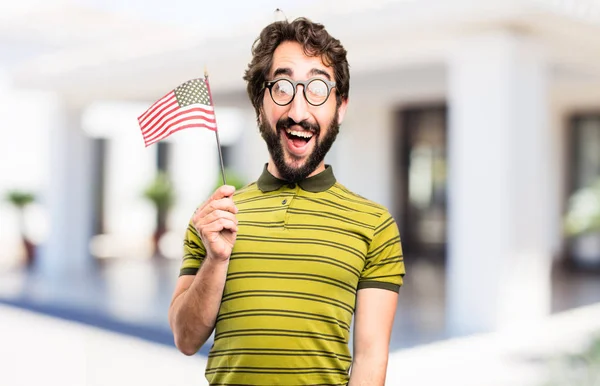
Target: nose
{"x":299,"y":106}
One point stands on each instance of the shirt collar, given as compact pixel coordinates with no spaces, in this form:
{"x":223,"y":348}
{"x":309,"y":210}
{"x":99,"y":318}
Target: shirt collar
{"x":315,"y":184}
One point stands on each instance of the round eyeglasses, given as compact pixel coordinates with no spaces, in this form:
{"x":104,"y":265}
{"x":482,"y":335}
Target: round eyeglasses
{"x":315,"y":90}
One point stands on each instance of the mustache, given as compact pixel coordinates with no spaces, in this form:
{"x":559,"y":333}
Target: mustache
{"x":286,"y":123}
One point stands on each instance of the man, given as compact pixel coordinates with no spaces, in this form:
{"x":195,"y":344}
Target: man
{"x":279,"y":268}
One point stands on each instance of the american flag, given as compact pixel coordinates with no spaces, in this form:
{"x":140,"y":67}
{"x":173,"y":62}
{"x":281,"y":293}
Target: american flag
{"x":189,"y":105}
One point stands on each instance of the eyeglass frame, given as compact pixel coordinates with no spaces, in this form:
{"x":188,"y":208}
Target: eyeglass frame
{"x":270,"y":83}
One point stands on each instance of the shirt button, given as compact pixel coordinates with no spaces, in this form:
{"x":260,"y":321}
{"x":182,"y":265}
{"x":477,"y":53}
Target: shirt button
{"x":284,"y":202}
{"x":291,"y":186}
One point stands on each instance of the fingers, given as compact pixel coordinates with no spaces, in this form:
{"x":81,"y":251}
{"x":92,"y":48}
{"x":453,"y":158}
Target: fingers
{"x":212,"y":230}
{"x":215,"y":225}
{"x":223,"y":192}
{"x":223,"y":205}
{"x":226,"y":219}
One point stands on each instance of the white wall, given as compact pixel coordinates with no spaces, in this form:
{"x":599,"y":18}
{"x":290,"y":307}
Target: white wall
{"x":363,"y":153}
{"x":249,"y":153}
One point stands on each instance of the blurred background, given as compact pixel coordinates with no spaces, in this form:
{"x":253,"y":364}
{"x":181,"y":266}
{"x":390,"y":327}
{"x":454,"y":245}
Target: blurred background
{"x":477,"y":123}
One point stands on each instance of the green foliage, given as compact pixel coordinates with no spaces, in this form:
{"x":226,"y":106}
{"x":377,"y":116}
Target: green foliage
{"x":583,"y":215}
{"x":581,"y":369}
{"x":232,"y":177}
{"x":160,"y":192}
{"x":20,"y":199}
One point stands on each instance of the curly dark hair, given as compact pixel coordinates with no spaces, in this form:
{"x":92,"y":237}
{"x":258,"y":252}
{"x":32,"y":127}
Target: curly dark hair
{"x":315,"y":40}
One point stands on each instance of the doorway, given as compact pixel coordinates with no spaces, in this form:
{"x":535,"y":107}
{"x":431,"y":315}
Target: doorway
{"x":421,"y":165}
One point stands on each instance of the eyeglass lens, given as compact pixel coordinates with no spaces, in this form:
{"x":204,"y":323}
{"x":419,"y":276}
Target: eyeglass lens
{"x":316,"y":91}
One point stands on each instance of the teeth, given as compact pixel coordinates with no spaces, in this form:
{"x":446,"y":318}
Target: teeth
{"x":303,"y":134}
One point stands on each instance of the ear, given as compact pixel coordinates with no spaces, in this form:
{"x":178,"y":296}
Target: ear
{"x":342,"y":111}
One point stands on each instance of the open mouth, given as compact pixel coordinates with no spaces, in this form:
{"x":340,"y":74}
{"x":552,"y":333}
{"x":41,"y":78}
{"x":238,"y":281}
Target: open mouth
{"x":298,"y":140}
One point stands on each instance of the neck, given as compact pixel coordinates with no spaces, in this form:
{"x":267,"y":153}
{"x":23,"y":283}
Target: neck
{"x":318,"y":169}
{"x":271,"y":168}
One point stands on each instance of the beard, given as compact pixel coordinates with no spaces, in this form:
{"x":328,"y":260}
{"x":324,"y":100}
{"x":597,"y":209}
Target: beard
{"x":276,"y":148}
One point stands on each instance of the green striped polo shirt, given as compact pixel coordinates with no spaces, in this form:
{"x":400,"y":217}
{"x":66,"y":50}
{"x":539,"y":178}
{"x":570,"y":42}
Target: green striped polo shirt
{"x":301,"y":254}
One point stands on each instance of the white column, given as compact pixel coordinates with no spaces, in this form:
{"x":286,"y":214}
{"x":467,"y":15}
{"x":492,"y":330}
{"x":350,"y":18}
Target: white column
{"x":68,"y":197}
{"x":23,"y":166}
{"x":499,"y":255}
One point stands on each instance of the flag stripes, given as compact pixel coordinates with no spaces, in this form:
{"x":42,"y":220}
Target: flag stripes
{"x":189,"y":105}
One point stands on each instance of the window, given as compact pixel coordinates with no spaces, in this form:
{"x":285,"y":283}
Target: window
{"x":584,"y":168}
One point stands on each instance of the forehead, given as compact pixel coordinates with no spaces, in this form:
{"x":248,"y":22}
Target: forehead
{"x":290,"y":55}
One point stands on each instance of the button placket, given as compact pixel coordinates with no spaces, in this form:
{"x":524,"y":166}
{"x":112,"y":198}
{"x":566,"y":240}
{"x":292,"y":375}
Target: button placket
{"x":288,"y":201}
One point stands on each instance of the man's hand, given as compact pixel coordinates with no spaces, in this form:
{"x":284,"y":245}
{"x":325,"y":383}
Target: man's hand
{"x":216,"y":223}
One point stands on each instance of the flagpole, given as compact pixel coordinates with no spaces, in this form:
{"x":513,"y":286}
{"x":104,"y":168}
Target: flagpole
{"x":216,"y":129}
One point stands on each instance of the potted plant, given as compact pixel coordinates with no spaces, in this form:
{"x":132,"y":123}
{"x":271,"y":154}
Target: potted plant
{"x":20,"y":199}
{"x":162,"y":195}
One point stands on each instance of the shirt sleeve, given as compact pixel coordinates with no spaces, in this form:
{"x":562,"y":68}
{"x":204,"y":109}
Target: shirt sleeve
{"x":384,"y":265}
{"x":193,"y":252}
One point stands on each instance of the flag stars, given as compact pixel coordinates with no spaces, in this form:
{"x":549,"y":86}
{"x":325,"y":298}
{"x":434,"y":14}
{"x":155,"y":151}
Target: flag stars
{"x":193,"y":91}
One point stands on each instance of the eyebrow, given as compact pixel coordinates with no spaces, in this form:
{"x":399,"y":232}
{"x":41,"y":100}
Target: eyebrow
{"x":316,"y":71}
{"x":288,"y":71}
{"x":282,"y":71}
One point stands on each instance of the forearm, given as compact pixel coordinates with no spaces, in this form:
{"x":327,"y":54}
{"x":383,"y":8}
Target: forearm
{"x":194,"y":312}
{"x":368,"y":370}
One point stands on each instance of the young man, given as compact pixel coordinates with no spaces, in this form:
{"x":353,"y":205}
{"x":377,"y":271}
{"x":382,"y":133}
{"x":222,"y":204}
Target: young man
{"x":280,"y":267}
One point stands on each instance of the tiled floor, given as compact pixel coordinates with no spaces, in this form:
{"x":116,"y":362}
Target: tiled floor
{"x":133,"y":297}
